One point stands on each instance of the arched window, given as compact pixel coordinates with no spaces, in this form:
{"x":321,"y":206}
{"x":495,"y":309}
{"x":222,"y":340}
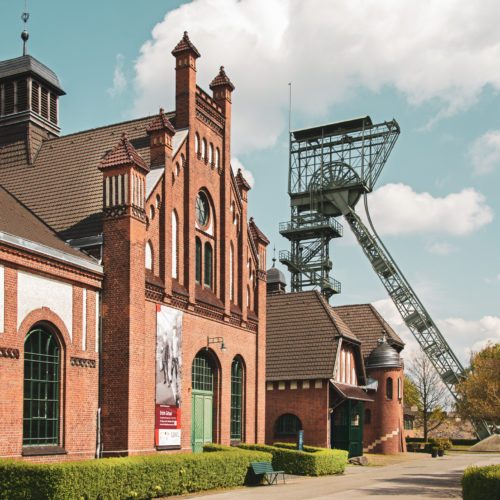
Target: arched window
{"x":148,"y":256}
{"x":183,"y":160}
{"x":400,"y":389}
{"x":368,"y":416}
{"x":237,"y":399}
{"x":217,"y":158}
{"x":202,"y":373}
{"x":231,"y":272}
{"x":248,"y":297}
{"x":42,"y":359}
{"x":196,"y":143}
{"x":202,"y":209}
{"x":211,"y":153}
{"x":175,"y":245}
{"x":207,"y":279}
{"x":198,"y":260}
{"x":388,"y":388}
{"x":204,"y":149}
{"x":288,"y":425}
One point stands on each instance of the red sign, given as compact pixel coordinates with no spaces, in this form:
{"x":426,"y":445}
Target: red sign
{"x":168,"y":426}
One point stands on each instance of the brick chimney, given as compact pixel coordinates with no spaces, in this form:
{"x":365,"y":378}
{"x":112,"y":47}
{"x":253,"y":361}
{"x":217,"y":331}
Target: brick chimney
{"x":124,"y":228}
{"x":185,"y":54}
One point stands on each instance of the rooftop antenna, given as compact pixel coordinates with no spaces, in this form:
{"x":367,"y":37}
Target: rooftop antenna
{"x":289,"y":107}
{"x":25,"y":35}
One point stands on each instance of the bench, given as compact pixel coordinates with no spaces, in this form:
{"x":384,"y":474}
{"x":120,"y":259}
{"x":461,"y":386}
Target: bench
{"x":266,"y":469}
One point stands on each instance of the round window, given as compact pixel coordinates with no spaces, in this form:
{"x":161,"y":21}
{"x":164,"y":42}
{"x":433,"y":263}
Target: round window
{"x":202,"y":210}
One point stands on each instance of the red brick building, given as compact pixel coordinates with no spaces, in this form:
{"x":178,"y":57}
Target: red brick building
{"x":177,"y":274}
{"x":333,"y":372}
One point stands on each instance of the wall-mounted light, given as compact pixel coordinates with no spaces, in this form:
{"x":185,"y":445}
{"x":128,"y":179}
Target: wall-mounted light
{"x":216,"y":340}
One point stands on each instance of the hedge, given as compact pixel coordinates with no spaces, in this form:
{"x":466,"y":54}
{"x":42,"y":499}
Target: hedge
{"x":310,"y":462}
{"x":456,"y":442}
{"x":481,"y":483}
{"x":125,"y":478}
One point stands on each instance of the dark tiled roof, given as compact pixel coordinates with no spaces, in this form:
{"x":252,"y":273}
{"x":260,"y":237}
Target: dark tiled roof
{"x":185,"y":45}
{"x":161,"y":122}
{"x":302,"y":337}
{"x":256,"y":233}
{"x":64,"y":185}
{"x":28,"y":64}
{"x":123,"y":154}
{"x":221,"y":80}
{"x":17,"y":220}
{"x":368,"y":326}
{"x":351,"y":392}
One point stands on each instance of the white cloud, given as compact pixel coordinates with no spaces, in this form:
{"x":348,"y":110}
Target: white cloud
{"x":247,"y":174}
{"x":119,"y":80}
{"x":485,"y":152}
{"x":440,"y":248}
{"x":398,"y":209}
{"x":464,"y":336}
{"x":443,"y":52}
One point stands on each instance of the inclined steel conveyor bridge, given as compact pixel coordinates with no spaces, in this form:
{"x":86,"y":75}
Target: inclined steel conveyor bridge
{"x":331,"y":168}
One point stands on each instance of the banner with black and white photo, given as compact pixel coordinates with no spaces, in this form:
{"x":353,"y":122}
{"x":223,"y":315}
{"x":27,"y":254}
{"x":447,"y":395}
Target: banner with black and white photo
{"x":168,"y":377}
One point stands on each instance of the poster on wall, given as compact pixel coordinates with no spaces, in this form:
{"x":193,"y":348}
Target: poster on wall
{"x":168,"y":377}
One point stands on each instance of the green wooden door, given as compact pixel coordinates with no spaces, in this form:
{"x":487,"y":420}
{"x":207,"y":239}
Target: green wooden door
{"x":347,"y":427}
{"x":202,"y":382}
{"x":201,"y":432}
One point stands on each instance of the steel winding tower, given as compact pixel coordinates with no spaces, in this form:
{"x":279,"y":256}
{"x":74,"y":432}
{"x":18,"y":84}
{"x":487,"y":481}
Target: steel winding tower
{"x":331,"y":167}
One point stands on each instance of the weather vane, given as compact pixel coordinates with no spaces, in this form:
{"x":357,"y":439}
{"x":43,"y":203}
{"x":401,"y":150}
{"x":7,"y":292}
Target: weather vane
{"x":25,"y":35}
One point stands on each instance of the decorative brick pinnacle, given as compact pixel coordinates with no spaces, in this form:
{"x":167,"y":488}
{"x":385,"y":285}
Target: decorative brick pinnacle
{"x":123,"y":154}
{"x":221,"y":80}
{"x":185,"y":45}
{"x":241,"y":181}
{"x":161,"y":122}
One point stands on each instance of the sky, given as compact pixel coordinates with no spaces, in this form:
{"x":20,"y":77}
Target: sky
{"x":431,"y":65}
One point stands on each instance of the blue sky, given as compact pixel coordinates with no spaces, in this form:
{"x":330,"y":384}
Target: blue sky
{"x":433,"y":66}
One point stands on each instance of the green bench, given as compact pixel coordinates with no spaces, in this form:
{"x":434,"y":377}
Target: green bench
{"x":266,"y":469}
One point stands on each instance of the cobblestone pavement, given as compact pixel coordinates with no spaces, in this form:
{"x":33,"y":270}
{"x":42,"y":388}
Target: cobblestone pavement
{"x":426,"y":477}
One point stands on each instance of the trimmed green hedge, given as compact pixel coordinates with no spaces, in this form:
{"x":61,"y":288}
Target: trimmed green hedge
{"x":310,"y":462}
{"x":481,"y":483}
{"x":457,"y":442}
{"x":125,"y":478}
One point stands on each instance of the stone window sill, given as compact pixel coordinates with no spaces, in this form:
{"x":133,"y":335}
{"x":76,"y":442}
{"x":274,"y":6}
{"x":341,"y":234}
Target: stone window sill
{"x":37,"y":451}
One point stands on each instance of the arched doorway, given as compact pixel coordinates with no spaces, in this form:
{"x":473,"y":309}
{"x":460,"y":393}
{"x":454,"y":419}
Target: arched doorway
{"x":41,"y":414}
{"x":203,"y":382}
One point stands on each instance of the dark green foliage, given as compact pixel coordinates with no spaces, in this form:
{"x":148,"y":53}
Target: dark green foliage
{"x":455,"y":442}
{"x":481,"y":483}
{"x":124,"y":478}
{"x":441,"y":443}
{"x":310,"y":462}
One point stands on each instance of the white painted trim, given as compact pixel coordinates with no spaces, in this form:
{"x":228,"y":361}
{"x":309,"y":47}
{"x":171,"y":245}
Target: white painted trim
{"x":97,"y":321}
{"x":2,"y":298}
{"x":49,"y":252}
{"x":84,"y":320}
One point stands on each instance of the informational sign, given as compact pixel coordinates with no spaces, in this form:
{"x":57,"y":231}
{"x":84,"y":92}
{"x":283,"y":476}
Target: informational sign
{"x":300,"y":440}
{"x":168,"y":377}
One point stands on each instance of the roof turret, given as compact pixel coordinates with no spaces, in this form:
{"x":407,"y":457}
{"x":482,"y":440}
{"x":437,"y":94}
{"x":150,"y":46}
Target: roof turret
{"x":383,"y":356}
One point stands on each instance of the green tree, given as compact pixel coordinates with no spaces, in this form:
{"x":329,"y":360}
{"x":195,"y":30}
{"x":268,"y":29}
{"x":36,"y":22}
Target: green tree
{"x":411,"y":396}
{"x":479,"y":391}
{"x":428,"y":393}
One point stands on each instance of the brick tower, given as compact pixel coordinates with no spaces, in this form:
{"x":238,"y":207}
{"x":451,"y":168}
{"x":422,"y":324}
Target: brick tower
{"x":385,"y":434}
{"x":124,"y":224}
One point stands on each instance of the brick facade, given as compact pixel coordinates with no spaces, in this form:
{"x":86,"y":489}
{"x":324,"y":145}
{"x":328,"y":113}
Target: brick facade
{"x":148,"y":213}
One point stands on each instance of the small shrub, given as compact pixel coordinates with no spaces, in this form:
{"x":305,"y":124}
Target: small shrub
{"x":481,"y":483}
{"x":441,"y":443}
{"x":132,"y":477}
{"x":310,"y":462}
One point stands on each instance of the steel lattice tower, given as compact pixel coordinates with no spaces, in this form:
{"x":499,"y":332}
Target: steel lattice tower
{"x":330,"y":168}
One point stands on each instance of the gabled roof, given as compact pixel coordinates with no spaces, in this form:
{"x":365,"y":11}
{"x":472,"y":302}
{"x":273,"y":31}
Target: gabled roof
{"x":64,"y":185}
{"x":302,"y":336}
{"x":368,"y":326}
{"x":21,"y":228}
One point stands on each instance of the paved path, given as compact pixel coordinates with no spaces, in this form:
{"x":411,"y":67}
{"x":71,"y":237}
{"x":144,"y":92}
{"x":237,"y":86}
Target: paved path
{"x":424,"y":477}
